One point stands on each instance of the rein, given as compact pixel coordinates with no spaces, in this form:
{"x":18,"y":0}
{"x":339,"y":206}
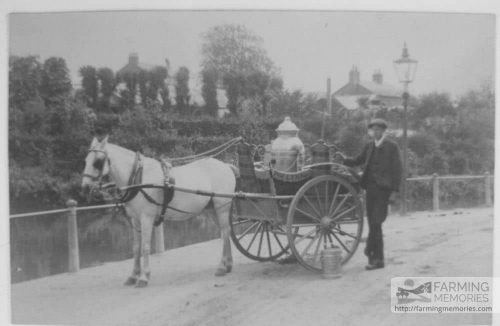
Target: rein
{"x":210,"y":153}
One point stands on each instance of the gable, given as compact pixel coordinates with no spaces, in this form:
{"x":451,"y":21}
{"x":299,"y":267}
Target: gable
{"x":352,"y":89}
{"x":385,"y":90}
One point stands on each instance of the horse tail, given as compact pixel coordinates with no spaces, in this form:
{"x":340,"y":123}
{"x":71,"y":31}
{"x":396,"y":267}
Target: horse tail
{"x":235,"y":170}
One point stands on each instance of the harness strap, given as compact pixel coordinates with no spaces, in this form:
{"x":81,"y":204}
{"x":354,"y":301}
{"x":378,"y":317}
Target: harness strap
{"x":168,"y":192}
{"x":153,"y":201}
{"x":135,"y":178}
{"x":168,"y":189}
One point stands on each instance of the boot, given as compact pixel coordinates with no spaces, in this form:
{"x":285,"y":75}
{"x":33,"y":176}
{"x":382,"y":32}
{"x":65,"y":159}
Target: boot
{"x":290,"y":259}
{"x":369,"y":254}
{"x":375,"y":264}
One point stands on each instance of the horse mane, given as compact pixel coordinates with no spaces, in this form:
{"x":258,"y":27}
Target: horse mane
{"x":121,"y":149}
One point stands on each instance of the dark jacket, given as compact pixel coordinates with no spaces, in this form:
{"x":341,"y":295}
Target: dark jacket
{"x":386,"y":169}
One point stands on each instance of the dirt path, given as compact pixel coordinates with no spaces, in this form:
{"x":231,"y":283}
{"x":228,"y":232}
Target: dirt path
{"x":183,"y":290}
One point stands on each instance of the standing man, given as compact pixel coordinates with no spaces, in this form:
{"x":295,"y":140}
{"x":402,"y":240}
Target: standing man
{"x":382,"y":172}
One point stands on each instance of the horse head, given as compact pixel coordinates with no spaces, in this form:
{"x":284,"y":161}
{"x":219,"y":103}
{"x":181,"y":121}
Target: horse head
{"x":97,"y":164}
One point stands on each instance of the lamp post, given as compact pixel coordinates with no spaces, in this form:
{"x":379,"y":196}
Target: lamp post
{"x":405,"y":69}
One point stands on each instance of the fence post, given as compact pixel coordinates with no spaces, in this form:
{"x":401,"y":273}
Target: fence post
{"x":487,"y":188}
{"x":435,"y":192}
{"x":73,"y":250}
{"x":159,"y":239}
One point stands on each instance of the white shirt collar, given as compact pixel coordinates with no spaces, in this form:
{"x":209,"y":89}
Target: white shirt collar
{"x":380,"y":141}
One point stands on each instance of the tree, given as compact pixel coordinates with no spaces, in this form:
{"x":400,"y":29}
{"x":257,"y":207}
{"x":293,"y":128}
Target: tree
{"x":233,"y":83}
{"x":423,"y":143}
{"x":234,"y":49}
{"x":89,"y":85}
{"x":151,"y":83}
{"x":240,"y":63}
{"x":209,"y":90}
{"x":55,"y":89}
{"x":55,"y":85}
{"x":287,"y":103}
{"x":474,"y":130}
{"x":261,"y":86}
{"x":24,"y":79}
{"x":432,"y":105}
{"x":131,"y":82}
{"x":457,"y":138}
{"x":107,"y":80}
{"x":158,"y":85}
{"x":352,"y":136}
{"x":143,"y":79}
{"x":182,"y":88}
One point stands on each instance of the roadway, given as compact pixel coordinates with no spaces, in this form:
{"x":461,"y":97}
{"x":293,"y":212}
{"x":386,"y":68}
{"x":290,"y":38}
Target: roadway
{"x":183,"y":290}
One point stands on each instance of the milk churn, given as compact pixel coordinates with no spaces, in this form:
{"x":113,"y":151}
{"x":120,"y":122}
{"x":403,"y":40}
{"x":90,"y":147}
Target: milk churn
{"x":331,"y":262}
{"x":287,"y":150}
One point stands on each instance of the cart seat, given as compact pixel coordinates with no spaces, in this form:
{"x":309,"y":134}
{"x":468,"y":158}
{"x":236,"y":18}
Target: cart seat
{"x":263,"y":174}
{"x":248,"y":181}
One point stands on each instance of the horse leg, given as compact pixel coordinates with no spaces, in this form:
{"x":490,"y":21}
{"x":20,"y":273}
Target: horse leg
{"x":146,"y":232}
{"x":222,"y":220}
{"x":136,"y":235}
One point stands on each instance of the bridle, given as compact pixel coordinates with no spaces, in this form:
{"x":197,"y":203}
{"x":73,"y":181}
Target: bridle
{"x":99,"y":177}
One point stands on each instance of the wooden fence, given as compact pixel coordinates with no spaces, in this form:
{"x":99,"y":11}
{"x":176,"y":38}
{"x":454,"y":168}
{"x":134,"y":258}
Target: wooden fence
{"x":435,"y":178}
{"x":159,"y":244}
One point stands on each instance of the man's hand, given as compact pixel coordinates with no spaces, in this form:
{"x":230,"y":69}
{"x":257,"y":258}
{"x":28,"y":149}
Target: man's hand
{"x":339,"y":156}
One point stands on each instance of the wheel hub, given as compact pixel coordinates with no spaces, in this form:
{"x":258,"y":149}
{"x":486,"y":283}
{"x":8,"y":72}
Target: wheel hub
{"x":326,"y":222}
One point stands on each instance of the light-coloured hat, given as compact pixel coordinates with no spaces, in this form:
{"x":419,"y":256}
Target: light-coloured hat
{"x":287,"y":125}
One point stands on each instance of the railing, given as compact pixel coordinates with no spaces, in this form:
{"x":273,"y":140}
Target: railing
{"x":435,"y":178}
{"x":73,"y":247}
{"x":159,"y":244}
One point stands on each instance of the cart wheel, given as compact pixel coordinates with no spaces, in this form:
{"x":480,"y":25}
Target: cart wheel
{"x":325,"y":213}
{"x":257,"y":239}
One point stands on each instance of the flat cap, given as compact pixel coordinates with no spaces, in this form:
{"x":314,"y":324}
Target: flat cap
{"x":378,"y":122}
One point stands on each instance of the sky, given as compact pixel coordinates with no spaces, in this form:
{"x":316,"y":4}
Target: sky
{"x":456,"y":52}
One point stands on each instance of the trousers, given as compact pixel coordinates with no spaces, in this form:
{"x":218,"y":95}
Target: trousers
{"x":375,"y":243}
{"x":377,"y":204}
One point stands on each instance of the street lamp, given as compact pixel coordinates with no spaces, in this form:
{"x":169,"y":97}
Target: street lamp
{"x":405,"y":69}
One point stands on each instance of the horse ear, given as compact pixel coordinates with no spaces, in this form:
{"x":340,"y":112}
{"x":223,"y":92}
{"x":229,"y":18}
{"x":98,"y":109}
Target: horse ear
{"x":94,"y":143}
{"x":102,"y":139}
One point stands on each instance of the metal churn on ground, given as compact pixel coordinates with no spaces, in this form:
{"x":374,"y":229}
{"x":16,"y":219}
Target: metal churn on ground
{"x":331,"y":262}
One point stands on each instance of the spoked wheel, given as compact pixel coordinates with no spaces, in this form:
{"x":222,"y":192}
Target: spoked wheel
{"x":325,"y":213}
{"x":261,"y":240}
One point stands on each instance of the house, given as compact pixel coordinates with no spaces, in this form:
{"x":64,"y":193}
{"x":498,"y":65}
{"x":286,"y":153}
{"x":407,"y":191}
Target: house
{"x":368,"y":94}
{"x":135,"y":68}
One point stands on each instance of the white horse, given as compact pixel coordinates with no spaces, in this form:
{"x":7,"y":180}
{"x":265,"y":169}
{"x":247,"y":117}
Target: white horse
{"x":206,"y":174}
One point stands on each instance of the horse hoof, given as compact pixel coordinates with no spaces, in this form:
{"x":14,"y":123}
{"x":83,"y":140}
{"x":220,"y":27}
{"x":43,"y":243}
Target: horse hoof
{"x":229,"y":269}
{"x":141,"y":284}
{"x":220,"y":272}
{"x":130,"y":281}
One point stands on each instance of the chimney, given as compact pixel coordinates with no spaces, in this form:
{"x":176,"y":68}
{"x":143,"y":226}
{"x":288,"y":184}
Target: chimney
{"x":133,"y":59}
{"x":354,"y":75}
{"x":378,"y":77}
